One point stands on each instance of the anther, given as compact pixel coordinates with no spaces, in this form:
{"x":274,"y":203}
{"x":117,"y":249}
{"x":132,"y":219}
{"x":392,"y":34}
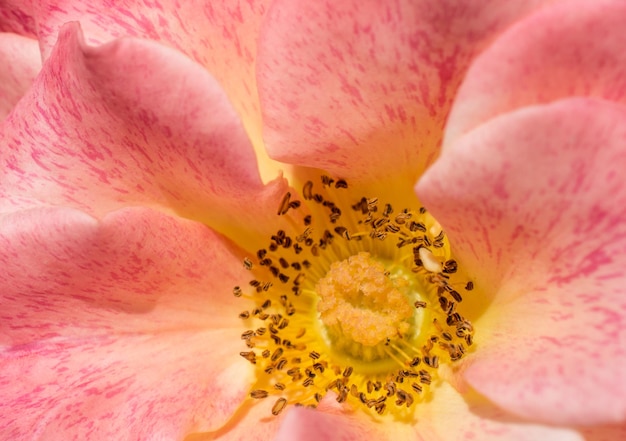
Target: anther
{"x":278,"y":407}
{"x":258,"y":393}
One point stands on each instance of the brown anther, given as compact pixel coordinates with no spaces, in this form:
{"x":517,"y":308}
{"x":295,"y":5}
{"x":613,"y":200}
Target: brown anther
{"x":281,"y":363}
{"x":341,"y":183}
{"x":277,"y":353}
{"x":456,"y":296}
{"x":391,"y":389}
{"x":354,"y":390}
{"x":250,"y":356}
{"x":342,"y":396}
{"x":278,"y":407}
{"x":283,"y":208}
{"x":327,"y":180}
{"x":247,"y":334}
{"x":314,"y":355}
{"x":417,"y":226}
{"x":319,"y":367}
{"x":237,"y":291}
{"x":247,"y":263}
{"x":258,"y":393}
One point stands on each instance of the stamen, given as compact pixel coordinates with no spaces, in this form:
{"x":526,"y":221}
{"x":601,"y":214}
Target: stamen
{"x":352,"y":297}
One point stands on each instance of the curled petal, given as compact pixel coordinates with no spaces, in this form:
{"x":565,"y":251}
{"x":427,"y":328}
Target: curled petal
{"x":572,"y":48}
{"x":362,"y":89}
{"x":99,"y":131}
{"x":537,"y":217}
{"x":221,"y":36}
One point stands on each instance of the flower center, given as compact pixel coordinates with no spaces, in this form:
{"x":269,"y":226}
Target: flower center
{"x":356,"y":301}
{"x":363,"y":307}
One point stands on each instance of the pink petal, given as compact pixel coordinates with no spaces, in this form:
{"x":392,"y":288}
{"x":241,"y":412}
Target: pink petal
{"x":16,"y":17}
{"x":99,"y":131}
{"x":451,"y":416}
{"x":446,"y":417}
{"x":573,"y":48}
{"x":121,"y":387}
{"x":117,"y":329}
{"x":533,"y":203}
{"x":221,"y":36}
{"x":20,"y":61}
{"x":161,"y":271}
{"x":304,"y":424}
{"x":362,"y":89}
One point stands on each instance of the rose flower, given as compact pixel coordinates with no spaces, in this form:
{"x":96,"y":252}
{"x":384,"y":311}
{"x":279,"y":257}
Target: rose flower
{"x":313,"y":220}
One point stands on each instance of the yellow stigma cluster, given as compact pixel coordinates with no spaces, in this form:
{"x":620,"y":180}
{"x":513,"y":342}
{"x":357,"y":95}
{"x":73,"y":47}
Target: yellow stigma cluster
{"x":361,"y":302}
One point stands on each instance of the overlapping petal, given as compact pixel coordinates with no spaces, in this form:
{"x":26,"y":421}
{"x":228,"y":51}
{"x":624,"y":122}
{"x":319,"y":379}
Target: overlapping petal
{"x":362,"y":89}
{"x":221,"y":36}
{"x":569,"y":49}
{"x":311,"y":425}
{"x":100,"y":309}
{"x":134,"y":123}
{"x":115,"y":327}
{"x":447,"y":416}
{"x":20,"y":61}
{"x":537,"y":215}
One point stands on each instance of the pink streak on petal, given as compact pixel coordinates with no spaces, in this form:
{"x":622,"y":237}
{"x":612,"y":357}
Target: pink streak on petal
{"x":134,"y":123}
{"x":120,"y":325}
{"x":65,"y":274}
{"x":20,"y":62}
{"x":127,"y":387}
{"x":362,"y":89}
{"x":221,"y":36}
{"x":537,"y":217}
{"x":574,"y":48}
{"x":16,"y":17}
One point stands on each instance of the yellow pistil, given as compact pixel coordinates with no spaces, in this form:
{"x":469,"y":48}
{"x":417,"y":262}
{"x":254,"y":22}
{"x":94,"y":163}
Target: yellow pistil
{"x":359,"y":301}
